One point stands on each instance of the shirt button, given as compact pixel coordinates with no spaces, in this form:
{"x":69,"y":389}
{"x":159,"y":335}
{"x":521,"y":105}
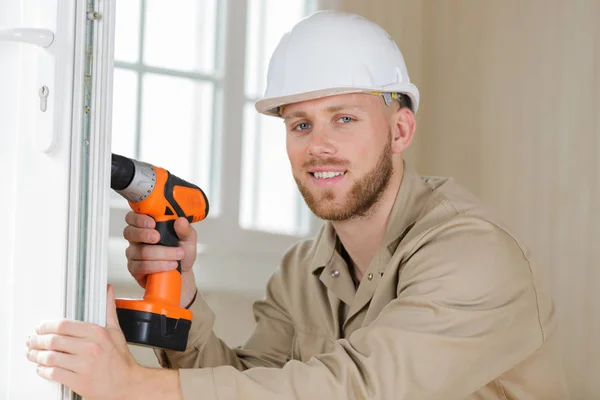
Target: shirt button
{"x":370,"y":276}
{"x":335,"y":273}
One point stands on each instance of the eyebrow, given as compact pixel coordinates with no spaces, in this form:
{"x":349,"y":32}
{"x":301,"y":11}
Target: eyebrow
{"x":332,"y":109}
{"x":297,"y":114}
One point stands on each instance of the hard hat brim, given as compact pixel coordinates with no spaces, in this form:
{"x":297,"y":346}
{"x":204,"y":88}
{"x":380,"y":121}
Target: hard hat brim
{"x":270,"y":105}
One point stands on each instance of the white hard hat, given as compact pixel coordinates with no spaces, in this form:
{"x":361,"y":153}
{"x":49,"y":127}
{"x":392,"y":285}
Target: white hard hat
{"x":329,"y":53}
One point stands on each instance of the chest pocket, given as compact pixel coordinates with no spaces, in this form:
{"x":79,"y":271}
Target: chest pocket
{"x":309,"y":342}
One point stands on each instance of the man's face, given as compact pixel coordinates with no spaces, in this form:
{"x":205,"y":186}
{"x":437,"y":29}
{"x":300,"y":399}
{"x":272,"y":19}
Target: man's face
{"x":340,"y":152}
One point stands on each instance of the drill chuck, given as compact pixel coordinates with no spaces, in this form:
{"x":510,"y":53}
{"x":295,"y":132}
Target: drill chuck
{"x":134,"y":180}
{"x":122,"y":172}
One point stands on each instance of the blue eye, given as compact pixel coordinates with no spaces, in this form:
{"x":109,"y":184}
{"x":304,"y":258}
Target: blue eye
{"x":346,"y":119}
{"x":302,"y":126}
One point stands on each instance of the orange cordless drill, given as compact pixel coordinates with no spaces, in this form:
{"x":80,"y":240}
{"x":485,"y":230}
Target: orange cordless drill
{"x":157,"y":320}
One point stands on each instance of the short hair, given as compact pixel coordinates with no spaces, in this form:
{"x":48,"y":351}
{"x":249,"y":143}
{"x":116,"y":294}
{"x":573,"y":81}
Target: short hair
{"x":405,"y":101}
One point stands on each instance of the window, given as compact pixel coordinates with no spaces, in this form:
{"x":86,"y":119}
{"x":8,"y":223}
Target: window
{"x":166,"y":83}
{"x":186,"y":77}
{"x":270,"y":199}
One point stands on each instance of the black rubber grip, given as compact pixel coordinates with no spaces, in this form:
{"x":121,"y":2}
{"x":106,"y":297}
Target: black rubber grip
{"x":168,"y":237}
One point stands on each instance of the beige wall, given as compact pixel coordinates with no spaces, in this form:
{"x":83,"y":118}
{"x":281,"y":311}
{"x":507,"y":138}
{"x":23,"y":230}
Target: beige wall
{"x":511,"y":108}
{"x":403,"y":19}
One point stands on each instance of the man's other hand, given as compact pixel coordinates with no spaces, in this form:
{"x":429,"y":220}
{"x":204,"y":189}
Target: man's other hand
{"x":145,"y":257}
{"x":94,"y":362}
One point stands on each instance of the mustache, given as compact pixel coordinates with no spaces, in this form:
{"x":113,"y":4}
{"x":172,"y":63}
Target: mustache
{"x":319,"y":162}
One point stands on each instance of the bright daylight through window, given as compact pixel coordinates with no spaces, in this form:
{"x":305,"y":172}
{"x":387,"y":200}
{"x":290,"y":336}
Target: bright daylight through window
{"x":169,"y":102}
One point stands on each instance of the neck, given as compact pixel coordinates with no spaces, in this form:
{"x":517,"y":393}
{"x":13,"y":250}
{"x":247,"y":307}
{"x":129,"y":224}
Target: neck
{"x":362,"y":236}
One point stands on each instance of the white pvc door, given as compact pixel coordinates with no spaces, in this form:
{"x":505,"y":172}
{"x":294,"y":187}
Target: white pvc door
{"x":55,"y":90}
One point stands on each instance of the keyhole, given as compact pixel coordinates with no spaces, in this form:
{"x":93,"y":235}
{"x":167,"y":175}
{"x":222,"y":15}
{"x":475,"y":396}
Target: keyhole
{"x":43,"y":93}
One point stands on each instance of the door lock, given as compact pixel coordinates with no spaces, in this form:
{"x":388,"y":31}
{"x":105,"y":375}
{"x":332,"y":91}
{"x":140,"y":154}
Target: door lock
{"x":43,"y":93}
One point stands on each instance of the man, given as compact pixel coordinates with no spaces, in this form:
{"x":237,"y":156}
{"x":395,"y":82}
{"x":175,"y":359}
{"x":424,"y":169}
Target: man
{"x":411,"y":290}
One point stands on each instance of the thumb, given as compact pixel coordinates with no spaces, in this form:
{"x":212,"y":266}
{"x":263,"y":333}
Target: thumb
{"x":112,"y":321}
{"x":185,"y":231}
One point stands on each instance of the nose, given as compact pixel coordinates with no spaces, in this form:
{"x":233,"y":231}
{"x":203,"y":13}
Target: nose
{"x":320,"y":142}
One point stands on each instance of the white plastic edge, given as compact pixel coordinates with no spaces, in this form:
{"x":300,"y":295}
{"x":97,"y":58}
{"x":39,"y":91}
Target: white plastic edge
{"x":39,"y":37}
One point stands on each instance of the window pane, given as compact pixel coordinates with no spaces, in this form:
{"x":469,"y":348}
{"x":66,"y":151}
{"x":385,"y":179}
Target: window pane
{"x":176,"y":126}
{"x":269,"y":193}
{"x":268,"y":20}
{"x":249,"y":157}
{"x":124,"y":112}
{"x":270,"y":199}
{"x":181,"y":34}
{"x":127,"y":31}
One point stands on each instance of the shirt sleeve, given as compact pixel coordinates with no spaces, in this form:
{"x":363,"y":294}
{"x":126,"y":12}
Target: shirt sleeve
{"x":269,"y":345}
{"x":466,"y":312}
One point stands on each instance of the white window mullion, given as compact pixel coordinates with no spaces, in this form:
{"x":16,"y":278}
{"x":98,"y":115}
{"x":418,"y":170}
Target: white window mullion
{"x":231,"y":117}
{"x":140,"y":79}
{"x":217,"y":113}
{"x":258,"y":129}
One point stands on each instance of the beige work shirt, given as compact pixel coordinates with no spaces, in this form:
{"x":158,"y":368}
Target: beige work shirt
{"x":451,"y":307}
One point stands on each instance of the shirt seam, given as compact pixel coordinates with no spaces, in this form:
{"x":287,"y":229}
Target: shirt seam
{"x":450,"y":207}
{"x":447,"y":203}
{"x":418,"y":241}
{"x":537,"y":300}
{"x":501,"y":388}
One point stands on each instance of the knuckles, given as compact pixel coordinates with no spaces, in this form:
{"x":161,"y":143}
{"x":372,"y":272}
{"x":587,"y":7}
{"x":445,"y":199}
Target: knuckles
{"x":50,"y":359}
{"x":146,"y":252}
{"x":54,"y":342}
{"x":94,"y":350}
{"x":63,"y":326}
{"x":51,"y":373}
{"x":86,"y":369}
{"x":100,"y":333}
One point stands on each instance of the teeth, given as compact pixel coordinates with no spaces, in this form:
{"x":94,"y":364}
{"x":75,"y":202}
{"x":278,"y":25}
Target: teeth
{"x":327,"y":174}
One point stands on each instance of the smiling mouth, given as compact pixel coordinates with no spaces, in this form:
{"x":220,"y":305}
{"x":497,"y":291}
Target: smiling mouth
{"x":327,"y":174}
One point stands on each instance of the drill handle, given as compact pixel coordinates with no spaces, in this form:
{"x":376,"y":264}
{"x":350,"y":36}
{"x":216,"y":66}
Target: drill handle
{"x":168,"y":236}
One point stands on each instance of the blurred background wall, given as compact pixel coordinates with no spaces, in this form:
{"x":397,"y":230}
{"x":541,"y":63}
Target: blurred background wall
{"x":510,"y":95}
{"x":511,"y":108}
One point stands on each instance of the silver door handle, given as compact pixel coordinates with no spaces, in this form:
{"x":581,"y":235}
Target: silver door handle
{"x":38,"y":37}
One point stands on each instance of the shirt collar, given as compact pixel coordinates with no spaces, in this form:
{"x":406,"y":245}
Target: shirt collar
{"x":410,"y":199}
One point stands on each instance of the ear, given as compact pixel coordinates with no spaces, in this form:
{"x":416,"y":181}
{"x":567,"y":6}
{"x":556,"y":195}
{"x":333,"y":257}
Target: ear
{"x":403,"y":127}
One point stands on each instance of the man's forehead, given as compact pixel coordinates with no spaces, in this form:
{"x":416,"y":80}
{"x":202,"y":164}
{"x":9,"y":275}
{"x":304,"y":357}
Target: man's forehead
{"x":331,"y":104}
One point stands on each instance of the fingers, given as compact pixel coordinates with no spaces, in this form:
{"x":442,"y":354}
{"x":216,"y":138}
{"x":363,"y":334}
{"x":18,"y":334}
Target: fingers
{"x":64,"y":344}
{"x":146,"y":259}
{"x":141,"y":269}
{"x":58,"y":359}
{"x":134,"y":234}
{"x":63,"y":366}
{"x":140,"y":220}
{"x":185,"y":231}
{"x":137,"y":252}
{"x":59,"y":375}
{"x":149,"y":259}
{"x":140,"y":229}
{"x":60,"y":354}
{"x":112,"y":321}
{"x":67,"y":327}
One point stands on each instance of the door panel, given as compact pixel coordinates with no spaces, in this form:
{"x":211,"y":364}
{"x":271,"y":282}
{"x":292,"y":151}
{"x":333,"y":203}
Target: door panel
{"x":53,"y":168}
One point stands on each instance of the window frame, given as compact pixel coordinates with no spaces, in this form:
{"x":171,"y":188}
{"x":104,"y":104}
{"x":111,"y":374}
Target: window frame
{"x":221,"y":233}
